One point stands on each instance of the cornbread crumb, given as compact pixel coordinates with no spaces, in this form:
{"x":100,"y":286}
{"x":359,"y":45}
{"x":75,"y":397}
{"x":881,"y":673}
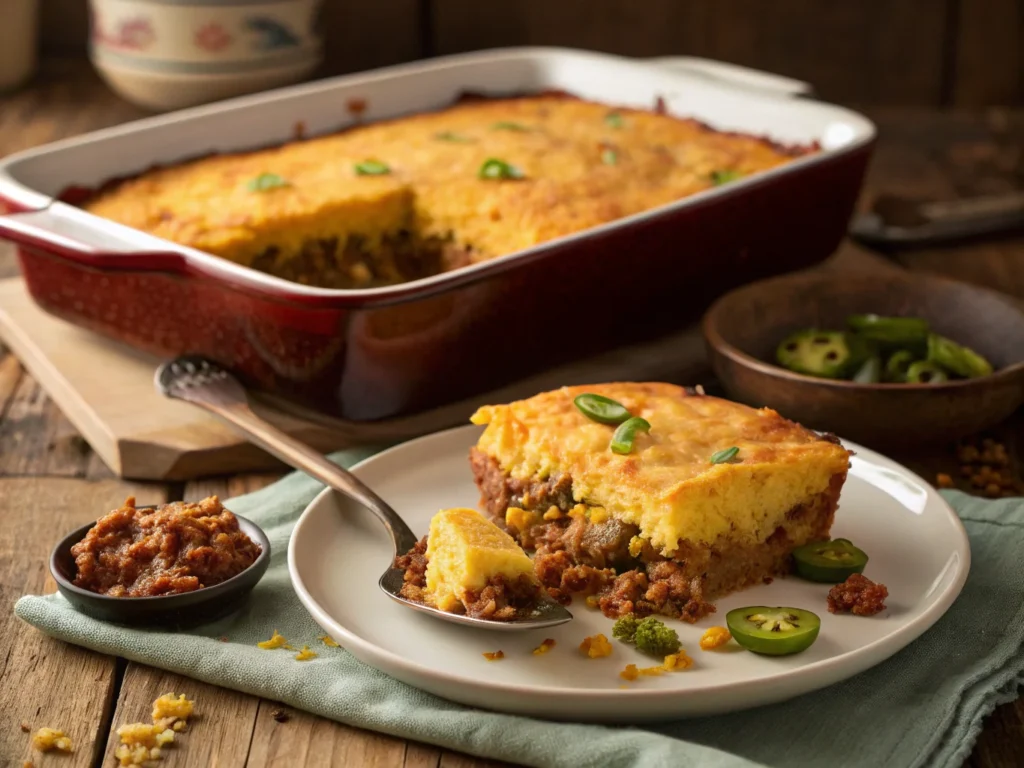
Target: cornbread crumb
{"x":494,"y":655}
{"x":544,"y":647}
{"x":275,"y":641}
{"x":714,"y":637}
{"x":47,"y":739}
{"x":143,"y":742}
{"x":25,"y":727}
{"x":167,"y":709}
{"x":305,"y":654}
{"x":593,"y":601}
{"x":329,"y":641}
{"x":677,"y":662}
{"x":596,"y":647}
{"x":674,"y":662}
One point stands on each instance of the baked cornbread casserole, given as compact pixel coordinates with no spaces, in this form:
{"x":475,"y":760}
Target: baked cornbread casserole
{"x":707,"y":497}
{"x":396,"y":200}
{"x":466,"y":564}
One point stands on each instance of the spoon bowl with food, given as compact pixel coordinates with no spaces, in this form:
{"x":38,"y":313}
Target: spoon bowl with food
{"x":467,"y":570}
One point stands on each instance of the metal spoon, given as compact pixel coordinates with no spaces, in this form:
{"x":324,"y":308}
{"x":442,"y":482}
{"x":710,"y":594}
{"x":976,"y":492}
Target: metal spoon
{"x":204,"y":383}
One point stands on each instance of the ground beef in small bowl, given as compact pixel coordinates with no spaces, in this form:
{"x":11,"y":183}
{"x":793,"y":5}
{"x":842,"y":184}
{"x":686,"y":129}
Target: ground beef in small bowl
{"x":167,"y":550}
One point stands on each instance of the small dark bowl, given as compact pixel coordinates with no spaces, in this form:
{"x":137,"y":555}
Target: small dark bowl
{"x":743,"y":328}
{"x":184,"y":610}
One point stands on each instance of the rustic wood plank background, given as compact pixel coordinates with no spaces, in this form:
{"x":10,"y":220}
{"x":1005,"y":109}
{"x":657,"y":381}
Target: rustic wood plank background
{"x":869,"y":52}
{"x":50,"y":481}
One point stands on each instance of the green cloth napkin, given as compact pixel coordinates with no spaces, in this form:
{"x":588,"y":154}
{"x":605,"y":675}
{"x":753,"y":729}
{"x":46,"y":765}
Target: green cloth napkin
{"x":923,"y":707}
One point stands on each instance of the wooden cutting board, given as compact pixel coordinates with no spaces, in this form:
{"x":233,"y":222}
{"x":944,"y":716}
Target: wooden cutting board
{"x":106,"y":391}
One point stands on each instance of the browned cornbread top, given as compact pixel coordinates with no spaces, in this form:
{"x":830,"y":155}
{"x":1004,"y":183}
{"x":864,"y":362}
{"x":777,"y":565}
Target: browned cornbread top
{"x":582,"y":164}
{"x":667,"y":486}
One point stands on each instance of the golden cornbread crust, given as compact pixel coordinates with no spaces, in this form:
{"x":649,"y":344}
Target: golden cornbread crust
{"x":662,"y":541}
{"x":501,"y":599}
{"x":323,"y":223}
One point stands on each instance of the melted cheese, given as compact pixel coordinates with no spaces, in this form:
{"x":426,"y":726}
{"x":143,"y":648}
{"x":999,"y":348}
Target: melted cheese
{"x":667,"y":486}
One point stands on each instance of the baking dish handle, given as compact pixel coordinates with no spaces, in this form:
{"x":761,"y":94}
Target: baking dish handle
{"x":735,"y":75}
{"x":71,"y":235}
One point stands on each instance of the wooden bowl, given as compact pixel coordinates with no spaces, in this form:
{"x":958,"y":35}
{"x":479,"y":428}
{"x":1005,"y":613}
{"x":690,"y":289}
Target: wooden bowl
{"x":743,"y":328}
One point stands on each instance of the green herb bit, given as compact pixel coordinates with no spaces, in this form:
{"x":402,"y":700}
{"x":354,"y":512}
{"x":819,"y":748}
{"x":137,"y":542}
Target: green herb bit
{"x":726,"y":454}
{"x":509,"y":126}
{"x":625,"y":628}
{"x":372,"y":168}
{"x":494,"y":168}
{"x":455,"y":138}
{"x":609,"y":157}
{"x":614,"y":120}
{"x":601,"y":409}
{"x":725,"y":176}
{"x":266,"y":181}
{"x":655,"y":639}
{"x":622,"y":440}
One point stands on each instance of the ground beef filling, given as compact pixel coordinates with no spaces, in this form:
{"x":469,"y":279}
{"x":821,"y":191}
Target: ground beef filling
{"x":498,"y":600}
{"x":331,"y":263}
{"x":175,"y":548}
{"x":858,"y":595}
{"x":622,"y":574}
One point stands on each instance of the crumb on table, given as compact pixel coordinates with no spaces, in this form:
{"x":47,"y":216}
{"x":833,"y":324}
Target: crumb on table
{"x":143,"y":742}
{"x":494,"y":655}
{"x":47,"y":739}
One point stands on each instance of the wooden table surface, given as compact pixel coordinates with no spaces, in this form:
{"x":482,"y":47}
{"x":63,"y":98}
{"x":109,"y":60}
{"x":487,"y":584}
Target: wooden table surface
{"x":50,"y":481}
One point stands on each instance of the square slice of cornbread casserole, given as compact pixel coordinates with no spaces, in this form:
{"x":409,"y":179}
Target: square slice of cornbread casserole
{"x":662,"y":529}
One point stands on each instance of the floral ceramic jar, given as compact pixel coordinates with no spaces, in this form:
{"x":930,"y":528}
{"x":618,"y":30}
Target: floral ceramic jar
{"x":168,"y":54}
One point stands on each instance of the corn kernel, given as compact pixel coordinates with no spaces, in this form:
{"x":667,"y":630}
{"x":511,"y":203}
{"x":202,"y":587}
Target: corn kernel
{"x":553,"y":513}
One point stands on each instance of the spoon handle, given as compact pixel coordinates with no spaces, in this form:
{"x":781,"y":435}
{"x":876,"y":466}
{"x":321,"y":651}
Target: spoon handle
{"x":220,"y":393}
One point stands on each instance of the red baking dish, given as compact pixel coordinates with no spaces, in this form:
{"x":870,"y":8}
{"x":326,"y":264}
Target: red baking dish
{"x":376,"y":353}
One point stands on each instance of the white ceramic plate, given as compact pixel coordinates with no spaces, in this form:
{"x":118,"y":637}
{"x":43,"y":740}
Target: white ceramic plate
{"x":918,"y":548}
